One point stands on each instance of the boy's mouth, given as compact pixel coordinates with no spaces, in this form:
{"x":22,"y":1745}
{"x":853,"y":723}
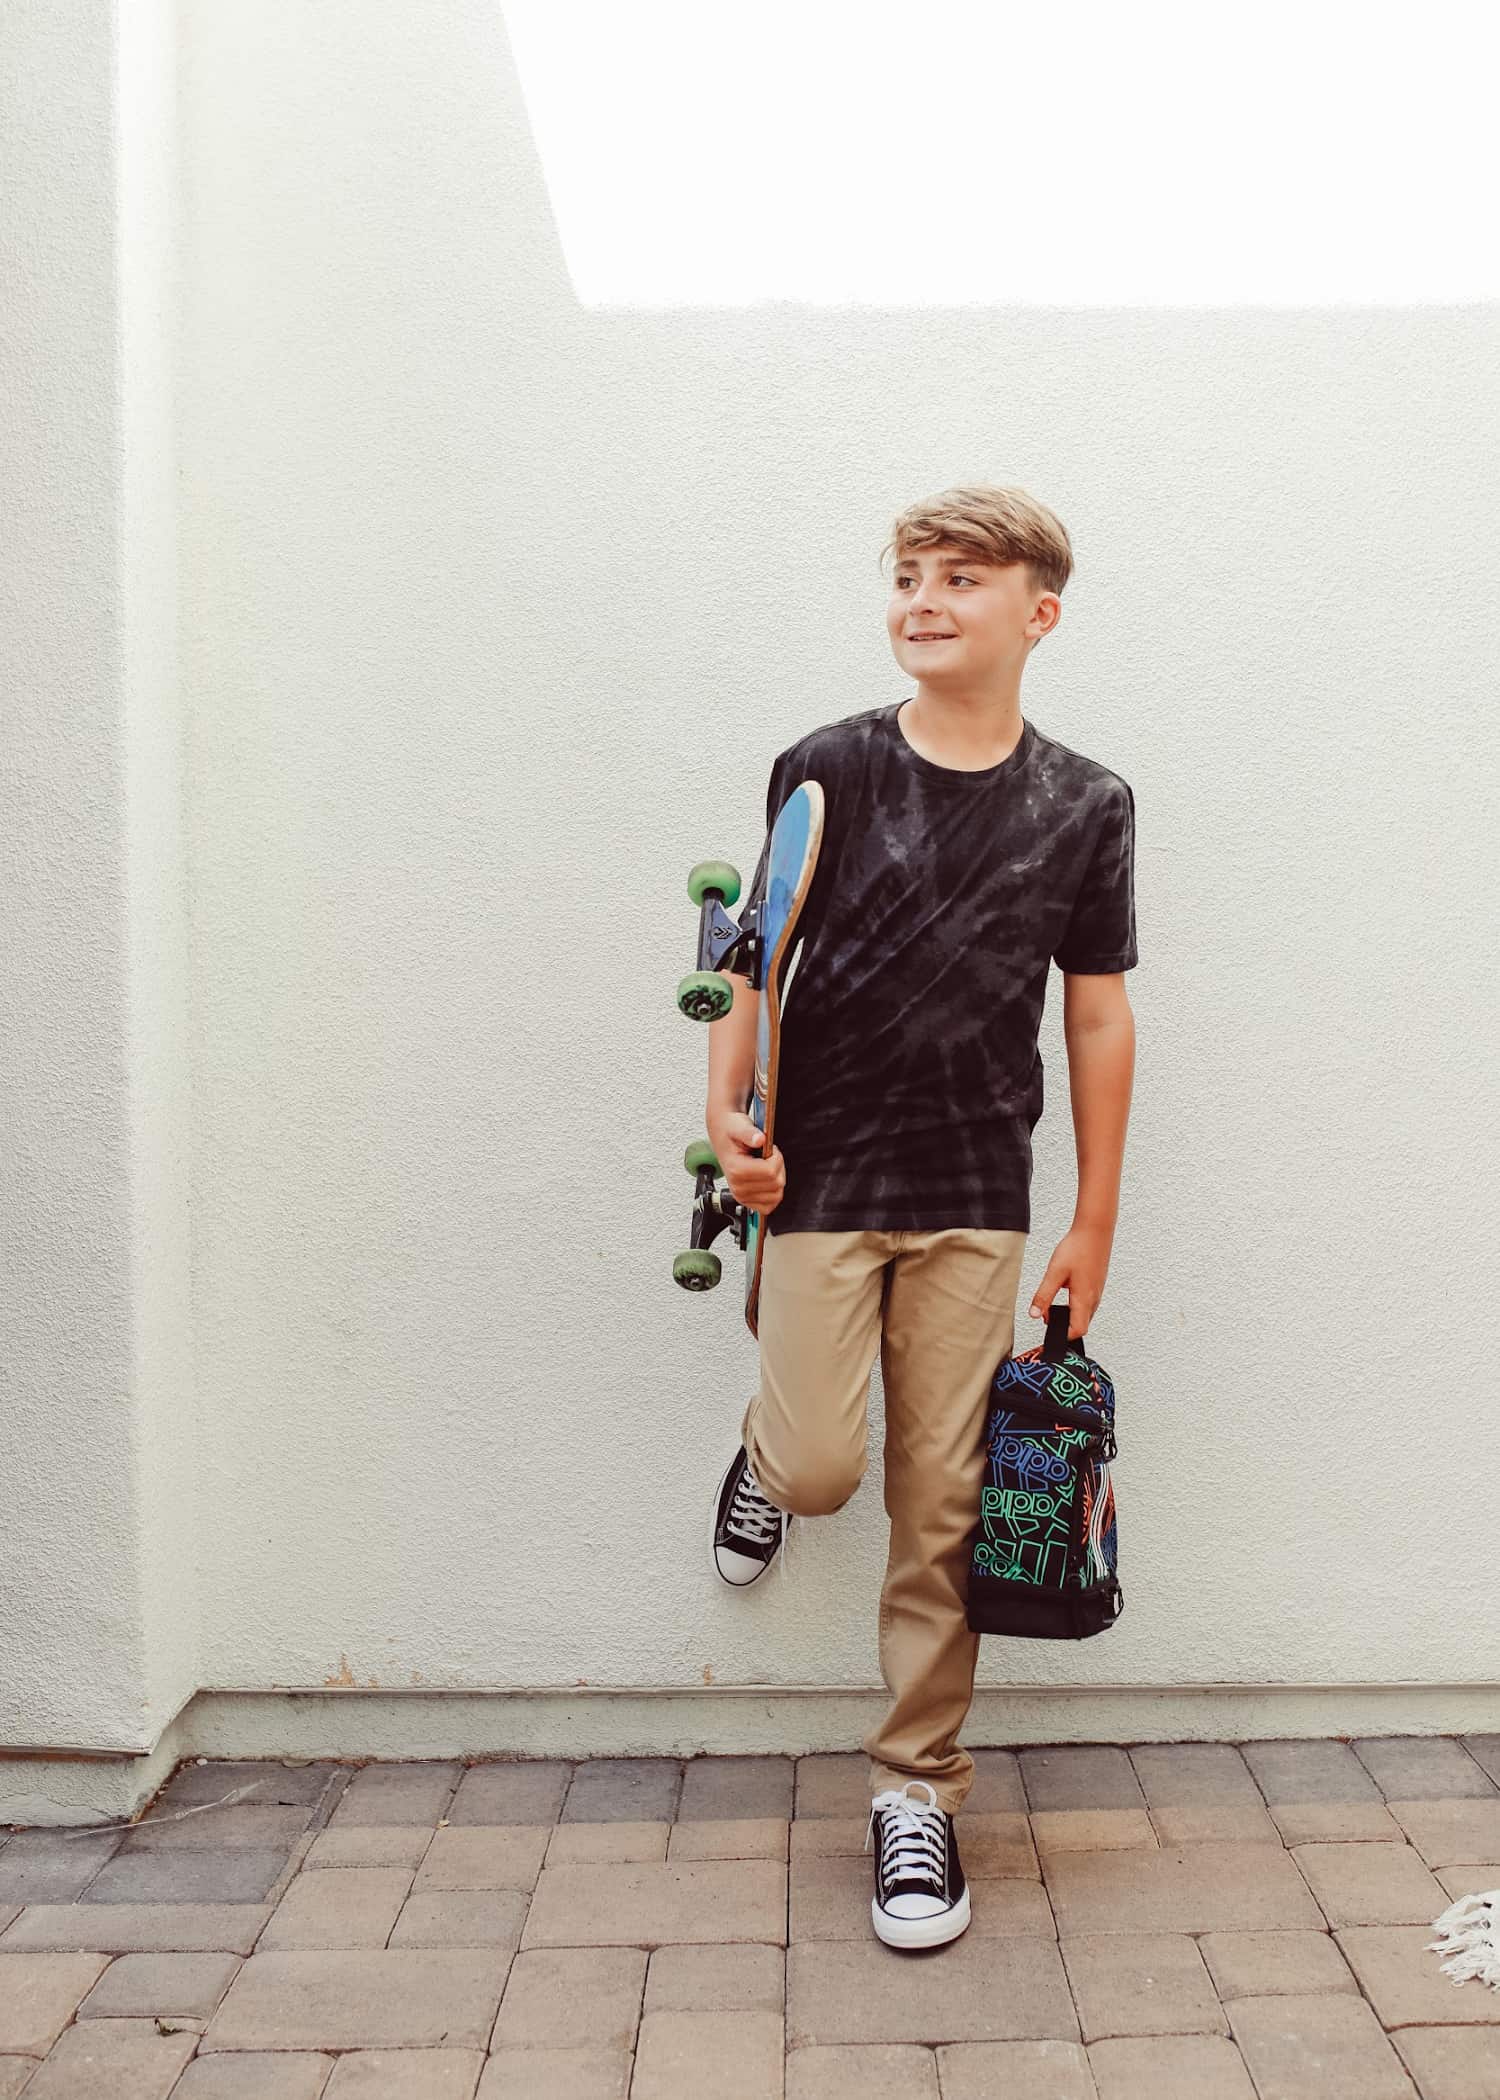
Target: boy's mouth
{"x":932,"y":637}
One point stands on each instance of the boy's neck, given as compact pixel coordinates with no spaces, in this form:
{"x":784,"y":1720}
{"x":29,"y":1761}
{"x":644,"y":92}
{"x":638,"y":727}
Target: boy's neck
{"x":966,"y":732}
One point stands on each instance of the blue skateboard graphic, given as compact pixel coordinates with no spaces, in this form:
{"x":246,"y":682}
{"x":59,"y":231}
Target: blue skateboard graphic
{"x":762,"y":949}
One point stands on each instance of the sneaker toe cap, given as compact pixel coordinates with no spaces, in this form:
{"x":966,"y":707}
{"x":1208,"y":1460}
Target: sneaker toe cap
{"x":912,"y":1905}
{"x":737,"y":1567}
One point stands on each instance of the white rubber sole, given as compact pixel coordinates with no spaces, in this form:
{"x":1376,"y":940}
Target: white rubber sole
{"x":921,"y":1932}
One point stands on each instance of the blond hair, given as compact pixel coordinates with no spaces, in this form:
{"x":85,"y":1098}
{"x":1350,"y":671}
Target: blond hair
{"x":1002,"y":525}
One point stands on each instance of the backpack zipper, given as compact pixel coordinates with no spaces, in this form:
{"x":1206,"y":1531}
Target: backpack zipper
{"x":1101,"y":1432}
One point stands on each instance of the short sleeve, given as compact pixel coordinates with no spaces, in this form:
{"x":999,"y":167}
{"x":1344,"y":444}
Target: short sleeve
{"x":1100,"y":935}
{"x":783,"y":779}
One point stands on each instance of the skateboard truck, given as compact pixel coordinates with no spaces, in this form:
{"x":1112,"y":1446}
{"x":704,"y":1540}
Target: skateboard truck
{"x":705,"y":994}
{"x":714,"y":1211}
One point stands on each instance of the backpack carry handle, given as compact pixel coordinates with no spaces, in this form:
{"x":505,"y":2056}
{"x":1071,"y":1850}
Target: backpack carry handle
{"x":1056,"y":1346}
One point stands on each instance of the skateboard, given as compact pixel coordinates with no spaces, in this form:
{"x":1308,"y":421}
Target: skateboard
{"x":762,"y":949}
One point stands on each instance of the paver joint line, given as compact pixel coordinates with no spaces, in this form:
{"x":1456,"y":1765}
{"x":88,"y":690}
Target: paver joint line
{"x":1174,"y":1888}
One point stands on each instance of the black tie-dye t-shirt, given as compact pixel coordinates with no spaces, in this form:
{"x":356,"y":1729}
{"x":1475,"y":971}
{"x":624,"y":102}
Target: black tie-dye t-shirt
{"x":911,"y":1080}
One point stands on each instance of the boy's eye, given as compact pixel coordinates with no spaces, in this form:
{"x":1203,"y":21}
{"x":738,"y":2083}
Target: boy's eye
{"x":957,"y":578}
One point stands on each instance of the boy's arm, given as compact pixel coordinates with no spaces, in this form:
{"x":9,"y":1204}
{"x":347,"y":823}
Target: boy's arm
{"x":1099,"y":1029}
{"x":731,"y":1041}
{"x":731,"y":1052}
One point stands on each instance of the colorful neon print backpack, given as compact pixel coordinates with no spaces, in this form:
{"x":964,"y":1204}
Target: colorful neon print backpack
{"x":1042,"y":1562}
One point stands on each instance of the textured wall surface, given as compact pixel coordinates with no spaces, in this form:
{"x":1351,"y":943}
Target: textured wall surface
{"x":499,"y":611}
{"x":493,"y":615}
{"x":97,"y":1524}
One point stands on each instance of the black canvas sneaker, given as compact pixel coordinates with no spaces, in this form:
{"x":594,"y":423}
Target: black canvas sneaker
{"x":921,"y":1897}
{"x":747,"y":1529}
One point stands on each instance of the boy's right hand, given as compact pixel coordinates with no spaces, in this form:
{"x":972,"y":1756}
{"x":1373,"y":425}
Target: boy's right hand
{"x":737,"y":1141}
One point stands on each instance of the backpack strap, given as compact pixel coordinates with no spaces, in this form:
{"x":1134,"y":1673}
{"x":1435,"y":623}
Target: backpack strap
{"x":1057,"y":1345}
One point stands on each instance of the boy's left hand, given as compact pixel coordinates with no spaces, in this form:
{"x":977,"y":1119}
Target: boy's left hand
{"x":1079,"y":1265}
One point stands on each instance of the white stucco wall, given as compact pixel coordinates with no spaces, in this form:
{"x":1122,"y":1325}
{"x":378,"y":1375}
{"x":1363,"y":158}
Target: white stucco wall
{"x":98,"y":1605}
{"x":493,"y":613}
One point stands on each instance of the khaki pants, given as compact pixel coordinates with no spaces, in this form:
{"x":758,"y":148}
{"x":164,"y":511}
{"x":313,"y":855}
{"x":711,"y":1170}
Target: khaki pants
{"x":941,"y":1306}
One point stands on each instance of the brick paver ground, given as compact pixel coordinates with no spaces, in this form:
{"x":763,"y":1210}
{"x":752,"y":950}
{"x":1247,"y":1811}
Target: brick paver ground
{"x":1180,"y":1921}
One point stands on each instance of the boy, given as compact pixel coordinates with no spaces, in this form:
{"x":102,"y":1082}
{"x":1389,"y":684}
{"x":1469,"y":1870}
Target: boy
{"x":963,"y":850}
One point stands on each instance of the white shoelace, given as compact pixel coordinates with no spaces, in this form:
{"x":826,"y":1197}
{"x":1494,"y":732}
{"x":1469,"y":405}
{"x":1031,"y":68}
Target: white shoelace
{"x":750,"y":1514}
{"x":753,"y":1517}
{"x":914,"y":1839}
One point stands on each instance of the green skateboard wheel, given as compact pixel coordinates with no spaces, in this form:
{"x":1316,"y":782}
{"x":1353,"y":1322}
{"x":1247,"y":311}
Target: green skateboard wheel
{"x":705,"y":995}
{"x":700,"y":1153}
{"x":714,"y":875}
{"x":697,"y":1270}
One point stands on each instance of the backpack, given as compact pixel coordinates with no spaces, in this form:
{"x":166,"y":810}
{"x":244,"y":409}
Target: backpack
{"x":1043,"y":1554}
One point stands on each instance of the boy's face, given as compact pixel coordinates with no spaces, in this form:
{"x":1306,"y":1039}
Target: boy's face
{"x":993,"y":613}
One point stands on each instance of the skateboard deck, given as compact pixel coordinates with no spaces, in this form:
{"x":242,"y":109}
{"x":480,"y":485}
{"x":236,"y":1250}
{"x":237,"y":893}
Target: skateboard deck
{"x":795,"y":839}
{"x":766,"y":949}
